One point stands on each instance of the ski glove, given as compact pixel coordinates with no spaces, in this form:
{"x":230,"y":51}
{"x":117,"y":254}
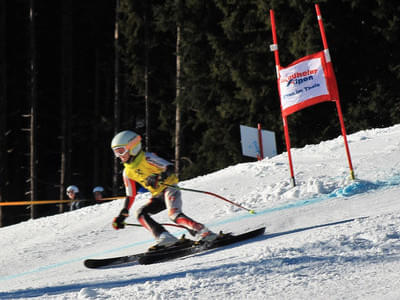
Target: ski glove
{"x":119,"y":222}
{"x":155,"y":179}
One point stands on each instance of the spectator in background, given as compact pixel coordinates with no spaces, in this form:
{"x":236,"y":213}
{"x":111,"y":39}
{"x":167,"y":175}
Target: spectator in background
{"x":98,"y":194}
{"x":73,"y":194}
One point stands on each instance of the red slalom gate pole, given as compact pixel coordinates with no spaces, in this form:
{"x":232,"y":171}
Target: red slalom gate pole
{"x":274,"y":48}
{"x":260,"y":144}
{"x":336,"y":92}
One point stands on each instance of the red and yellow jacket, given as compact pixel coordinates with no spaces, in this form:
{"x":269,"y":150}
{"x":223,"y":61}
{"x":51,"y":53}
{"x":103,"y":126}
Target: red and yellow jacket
{"x":137,"y":170}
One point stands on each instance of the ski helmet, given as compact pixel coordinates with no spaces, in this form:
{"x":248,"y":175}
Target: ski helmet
{"x":73,"y":188}
{"x":126,"y":141}
{"x":98,"y":189}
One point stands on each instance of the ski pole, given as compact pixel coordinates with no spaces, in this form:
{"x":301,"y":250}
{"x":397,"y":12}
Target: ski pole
{"x":211,"y":194}
{"x":163,"y":224}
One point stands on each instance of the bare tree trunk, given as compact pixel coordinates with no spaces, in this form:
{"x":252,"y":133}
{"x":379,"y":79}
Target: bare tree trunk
{"x":66,"y":96}
{"x":3,"y":104}
{"x":117,"y":112}
{"x":96,"y":108}
{"x":178,"y":109}
{"x":33,"y":112}
{"x":146,"y":75}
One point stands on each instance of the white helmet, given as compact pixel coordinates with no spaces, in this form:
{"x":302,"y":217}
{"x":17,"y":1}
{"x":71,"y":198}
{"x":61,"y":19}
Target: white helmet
{"x":73,"y":188}
{"x":98,"y":189}
{"x":127,"y":140}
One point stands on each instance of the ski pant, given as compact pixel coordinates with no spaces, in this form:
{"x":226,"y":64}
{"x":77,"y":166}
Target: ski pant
{"x":171,"y":200}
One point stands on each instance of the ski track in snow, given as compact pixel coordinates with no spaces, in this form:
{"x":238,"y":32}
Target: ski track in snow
{"x":328,"y":237}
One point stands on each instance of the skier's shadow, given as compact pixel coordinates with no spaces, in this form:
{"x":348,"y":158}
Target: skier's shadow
{"x":274,"y":235}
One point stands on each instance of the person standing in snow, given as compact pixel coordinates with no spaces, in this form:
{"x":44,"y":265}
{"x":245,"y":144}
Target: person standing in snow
{"x":157,"y":176}
{"x":73,"y":194}
{"x":98,"y":192}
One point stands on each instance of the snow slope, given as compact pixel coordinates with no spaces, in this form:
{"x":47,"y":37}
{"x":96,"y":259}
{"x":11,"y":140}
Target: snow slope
{"x":327,"y":238}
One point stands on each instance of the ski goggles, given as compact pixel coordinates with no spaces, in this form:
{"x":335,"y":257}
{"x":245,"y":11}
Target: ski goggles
{"x":120,"y":151}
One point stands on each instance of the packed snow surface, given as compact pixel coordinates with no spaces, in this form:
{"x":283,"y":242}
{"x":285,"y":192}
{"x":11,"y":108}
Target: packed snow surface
{"x":329,"y":237}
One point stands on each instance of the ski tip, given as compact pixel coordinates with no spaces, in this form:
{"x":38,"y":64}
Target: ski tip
{"x":252,"y":212}
{"x":89,"y":264}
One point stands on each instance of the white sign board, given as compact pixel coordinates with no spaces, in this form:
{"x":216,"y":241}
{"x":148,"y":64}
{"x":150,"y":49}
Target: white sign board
{"x":250,"y":146}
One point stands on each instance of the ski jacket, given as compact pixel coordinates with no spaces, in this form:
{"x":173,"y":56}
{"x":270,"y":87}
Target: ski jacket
{"x":137,"y":171}
{"x":78,"y":202}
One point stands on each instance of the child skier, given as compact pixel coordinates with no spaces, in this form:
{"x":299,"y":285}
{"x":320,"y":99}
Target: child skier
{"x":157,"y":176}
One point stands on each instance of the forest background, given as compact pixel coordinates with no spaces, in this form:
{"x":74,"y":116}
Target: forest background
{"x":182,"y":73}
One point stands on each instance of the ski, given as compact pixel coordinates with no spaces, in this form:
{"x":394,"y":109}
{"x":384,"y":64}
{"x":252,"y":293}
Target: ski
{"x":130,"y":259}
{"x":112,"y":261}
{"x":222,"y":240}
{"x":183,"y":247}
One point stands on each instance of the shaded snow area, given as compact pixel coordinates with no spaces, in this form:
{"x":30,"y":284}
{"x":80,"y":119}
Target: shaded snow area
{"x":327,"y":238}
